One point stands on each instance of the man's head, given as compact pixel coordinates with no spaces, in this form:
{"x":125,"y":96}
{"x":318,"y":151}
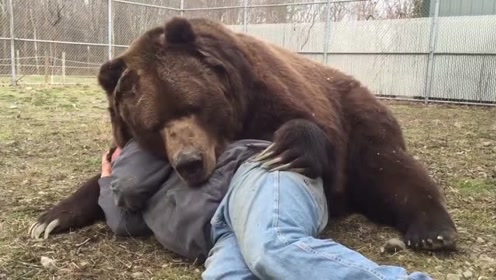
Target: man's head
{"x":177,"y":90}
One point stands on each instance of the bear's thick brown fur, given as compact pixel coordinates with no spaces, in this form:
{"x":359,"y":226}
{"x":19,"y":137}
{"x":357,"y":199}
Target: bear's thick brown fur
{"x":234,"y":86}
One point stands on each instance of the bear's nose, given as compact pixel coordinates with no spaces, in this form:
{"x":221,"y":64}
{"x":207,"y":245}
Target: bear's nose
{"x":189,"y":162}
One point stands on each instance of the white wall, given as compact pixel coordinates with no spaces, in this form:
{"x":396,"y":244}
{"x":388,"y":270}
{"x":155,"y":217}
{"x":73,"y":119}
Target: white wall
{"x":463,"y":69}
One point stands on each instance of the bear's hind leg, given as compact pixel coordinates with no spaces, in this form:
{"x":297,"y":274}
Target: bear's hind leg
{"x":390,"y":187}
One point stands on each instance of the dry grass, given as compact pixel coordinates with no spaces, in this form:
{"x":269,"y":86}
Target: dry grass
{"x":51,"y":139}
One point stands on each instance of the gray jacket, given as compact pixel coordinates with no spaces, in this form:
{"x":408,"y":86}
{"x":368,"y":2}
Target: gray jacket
{"x":145,"y":196}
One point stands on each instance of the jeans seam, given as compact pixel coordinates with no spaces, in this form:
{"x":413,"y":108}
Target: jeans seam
{"x":218,"y":218}
{"x":275,"y":221}
{"x":218,"y":223}
{"x":310,"y":192}
{"x":307,"y":188}
{"x":309,"y":249}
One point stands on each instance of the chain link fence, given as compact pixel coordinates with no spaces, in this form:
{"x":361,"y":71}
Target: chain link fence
{"x":424,"y":50}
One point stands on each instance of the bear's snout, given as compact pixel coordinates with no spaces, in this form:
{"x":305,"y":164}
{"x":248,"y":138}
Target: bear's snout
{"x":190,"y":148}
{"x":189,"y":165}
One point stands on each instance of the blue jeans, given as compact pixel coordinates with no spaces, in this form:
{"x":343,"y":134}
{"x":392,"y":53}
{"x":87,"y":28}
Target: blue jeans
{"x":267,"y":227}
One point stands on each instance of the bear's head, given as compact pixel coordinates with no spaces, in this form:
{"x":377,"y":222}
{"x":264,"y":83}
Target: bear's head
{"x":180,"y":90}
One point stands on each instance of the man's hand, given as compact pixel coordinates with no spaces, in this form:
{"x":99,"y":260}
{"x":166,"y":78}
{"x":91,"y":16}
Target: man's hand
{"x":106,"y":164}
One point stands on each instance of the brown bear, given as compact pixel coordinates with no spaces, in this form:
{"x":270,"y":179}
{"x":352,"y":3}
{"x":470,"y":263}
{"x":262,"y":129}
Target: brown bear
{"x":196,"y":79}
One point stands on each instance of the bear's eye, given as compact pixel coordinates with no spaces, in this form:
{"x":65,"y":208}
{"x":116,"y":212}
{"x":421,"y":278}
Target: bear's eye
{"x":187,"y":110}
{"x":212,"y":62}
{"x":219,"y":69}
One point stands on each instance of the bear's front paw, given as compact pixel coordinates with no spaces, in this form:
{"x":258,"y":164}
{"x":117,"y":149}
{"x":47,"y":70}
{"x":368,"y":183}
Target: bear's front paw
{"x":55,"y":220}
{"x":299,"y":146}
{"x":432,"y":235}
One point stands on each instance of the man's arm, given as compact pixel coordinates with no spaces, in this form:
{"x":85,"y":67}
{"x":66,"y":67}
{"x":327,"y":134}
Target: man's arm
{"x":122,"y":222}
{"x":129,"y":178}
{"x":136,"y":176}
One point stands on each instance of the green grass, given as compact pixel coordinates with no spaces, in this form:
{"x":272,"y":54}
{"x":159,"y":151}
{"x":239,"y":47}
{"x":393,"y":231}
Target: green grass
{"x":51,"y":139}
{"x":478,"y":186}
{"x":55,"y":79}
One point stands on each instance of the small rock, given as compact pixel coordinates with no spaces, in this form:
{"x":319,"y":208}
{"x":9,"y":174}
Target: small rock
{"x":393,"y":245}
{"x":480,"y":240}
{"x":451,"y":276}
{"x":486,"y":144}
{"x":13,"y":107}
{"x":47,"y":262}
{"x":165,"y":265}
{"x":137,"y":275}
{"x":468,"y":274}
{"x":487,"y":259}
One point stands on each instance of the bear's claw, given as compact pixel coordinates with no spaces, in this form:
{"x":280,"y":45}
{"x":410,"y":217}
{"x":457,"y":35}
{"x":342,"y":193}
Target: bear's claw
{"x":37,"y":229}
{"x":273,"y":164}
{"x":265,"y":153}
{"x":432,"y":237}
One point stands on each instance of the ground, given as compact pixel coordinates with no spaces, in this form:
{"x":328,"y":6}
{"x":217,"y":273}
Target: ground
{"x":52,"y":138}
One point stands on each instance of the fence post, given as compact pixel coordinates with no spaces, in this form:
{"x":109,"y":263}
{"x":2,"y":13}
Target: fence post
{"x":181,"y":7}
{"x":327,"y":31}
{"x":432,"y":49}
{"x":46,"y":68}
{"x":63,"y":67}
{"x":110,"y":29}
{"x":12,"y":44}
{"x":245,"y":16}
{"x":18,"y":63}
{"x":88,"y":54}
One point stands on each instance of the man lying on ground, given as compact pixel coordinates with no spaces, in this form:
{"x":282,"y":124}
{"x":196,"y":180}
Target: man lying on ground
{"x":244,"y":222}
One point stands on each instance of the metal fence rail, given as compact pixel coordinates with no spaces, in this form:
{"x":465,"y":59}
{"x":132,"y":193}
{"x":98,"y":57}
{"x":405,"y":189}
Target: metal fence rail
{"x":400,"y":49}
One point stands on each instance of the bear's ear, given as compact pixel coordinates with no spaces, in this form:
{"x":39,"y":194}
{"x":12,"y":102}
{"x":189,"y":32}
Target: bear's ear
{"x":126,"y":83}
{"x":179,"y":31}
{"x":109,"y":74}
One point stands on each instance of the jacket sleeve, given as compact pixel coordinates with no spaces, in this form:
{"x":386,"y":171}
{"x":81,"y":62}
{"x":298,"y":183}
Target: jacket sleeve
{"x":122,"y":222}
{"x":136,"y":176}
